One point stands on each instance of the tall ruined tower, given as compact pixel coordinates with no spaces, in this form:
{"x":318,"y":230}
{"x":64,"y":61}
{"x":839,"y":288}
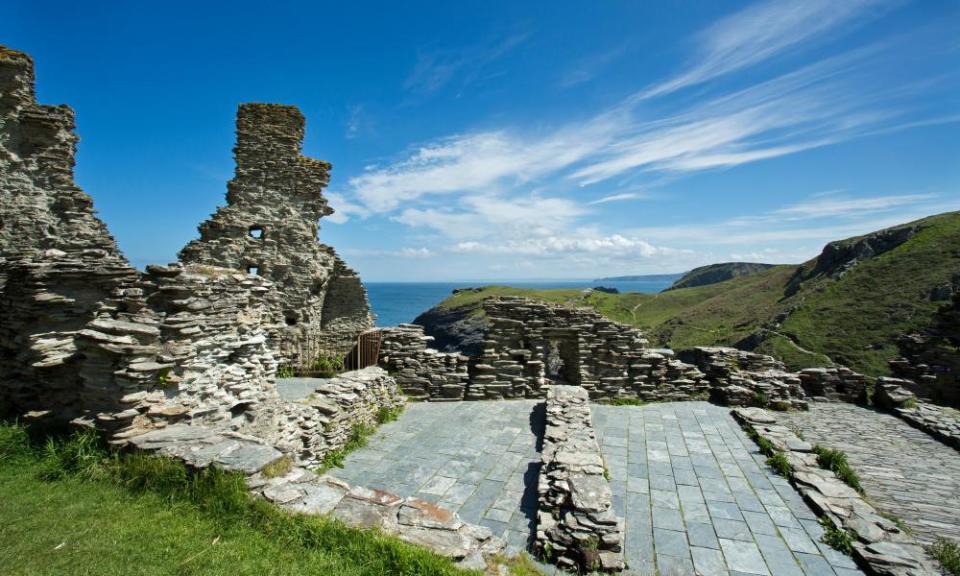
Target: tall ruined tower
{"x":41,"y":207}
{"x":269,"y":228}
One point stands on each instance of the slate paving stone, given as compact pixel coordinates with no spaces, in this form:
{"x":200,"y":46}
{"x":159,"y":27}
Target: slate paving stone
{"x":682,"y":473}
{"x":707,"y":480}
{"x":893,"y":461}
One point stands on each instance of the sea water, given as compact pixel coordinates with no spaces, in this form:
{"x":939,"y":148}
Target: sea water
{"x":398,"y":302}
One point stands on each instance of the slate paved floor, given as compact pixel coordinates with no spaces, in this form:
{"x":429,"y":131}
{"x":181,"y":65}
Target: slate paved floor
{"x":479,"y":459}
{"x":692,"y":487}
{"x":698,"y":499}
{"x":905,"y":471}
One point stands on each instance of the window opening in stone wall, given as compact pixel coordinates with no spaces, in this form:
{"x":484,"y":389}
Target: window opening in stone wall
{"x":256,"y":232}
{"x":253,"y":270}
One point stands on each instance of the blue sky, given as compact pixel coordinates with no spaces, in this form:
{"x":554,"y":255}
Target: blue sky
{"x":510,"y":140}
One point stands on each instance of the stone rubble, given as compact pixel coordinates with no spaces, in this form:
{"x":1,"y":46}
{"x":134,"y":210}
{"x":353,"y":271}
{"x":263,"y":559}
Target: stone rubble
{"x":576,"y":526}
{"x":879,"y":545}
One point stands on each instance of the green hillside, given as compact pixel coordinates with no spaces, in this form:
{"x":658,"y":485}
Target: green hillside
{"x":848,"y":305}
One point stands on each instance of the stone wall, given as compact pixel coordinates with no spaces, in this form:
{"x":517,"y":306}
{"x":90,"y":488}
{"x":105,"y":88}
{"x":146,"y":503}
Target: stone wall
{"x":878,"y":544}
{"x":838,"y":384}
{"x":740,"y":378}
{"x":86,"y":338}
{"x":422,"y":372}
{"x":931,"y":360}
{"x":530,"y":344}
{"x":576,"y":526}
{"x":321,"y":423}
{"x":269,"y":228}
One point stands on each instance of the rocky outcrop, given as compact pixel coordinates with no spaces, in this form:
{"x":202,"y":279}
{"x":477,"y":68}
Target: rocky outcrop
{"x":878,"y":544}
{"x":931,"y":359}
{"x":714,"y":273}
{"x":457,"y":329}
{"x":269,"y":228}
{"x":576,"y":526}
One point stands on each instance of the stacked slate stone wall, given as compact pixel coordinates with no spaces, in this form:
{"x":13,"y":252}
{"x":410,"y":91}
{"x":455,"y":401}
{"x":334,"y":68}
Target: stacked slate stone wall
{"x":86,"y":338}
{"x":838,"y":384}
{"x":530,"y":344}
{"x":577,"y":528}
{"x":740,"y":378}
{"x":269,"y":228}
{"x":932,"y":360}
{"x":323,"y":422}
{"x":422,"y":372}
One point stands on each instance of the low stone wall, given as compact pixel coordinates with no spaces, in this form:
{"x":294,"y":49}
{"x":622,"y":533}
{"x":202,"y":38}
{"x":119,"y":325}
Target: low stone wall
{"x":895,"y":395}
{"x":576,"y":525}
{"x":839,"y":383}
{"x":309,"y":429}
{"x":301,"y":491}
{"x":741,"y":378}
{"x":879,"y":546}
{"x":422,"y":372}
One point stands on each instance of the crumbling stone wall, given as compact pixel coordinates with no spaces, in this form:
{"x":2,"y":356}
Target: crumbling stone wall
{"x":86,"y":338}
{"x":422,"y":372}
{"x":269,"y":228}
{"x":576,"y":526}
{"x":530,"y":344}
{"x":740,"y":378}
{"x":838,"y":384}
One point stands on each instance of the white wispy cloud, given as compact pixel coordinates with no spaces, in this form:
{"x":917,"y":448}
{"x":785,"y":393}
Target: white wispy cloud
{"x":615,"y":244}
{"x":760,"y":32}
{"x":587,"y":68}
{"x":619,"y":197}
{"x":435,"y":69}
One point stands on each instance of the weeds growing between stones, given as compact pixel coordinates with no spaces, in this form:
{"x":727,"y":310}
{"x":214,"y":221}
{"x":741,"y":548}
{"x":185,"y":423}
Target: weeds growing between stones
{"x":947,"y":553}
{"x":836,"y":461}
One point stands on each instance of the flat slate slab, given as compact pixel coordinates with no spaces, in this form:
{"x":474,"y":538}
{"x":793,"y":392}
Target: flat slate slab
{"x":697,"y":497}
{"x":478,"y":459}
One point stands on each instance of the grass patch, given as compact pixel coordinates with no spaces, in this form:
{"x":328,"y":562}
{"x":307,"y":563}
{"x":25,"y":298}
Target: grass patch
{"x":947,"y":553}
{"x":780,"y":464}
{"x":385,"y":414}
{"x":836,"y":461}
{"x":520,"y":565}
{"x":624,"y":402}
{"x":279,"y":467}
{"x":836,"y":538}
{"x":760,"y":400}
{"x":358,"y":439}
{"x":72,"y":506}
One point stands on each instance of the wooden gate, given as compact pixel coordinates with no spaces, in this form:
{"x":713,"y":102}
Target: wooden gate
{"x":365,"y":352}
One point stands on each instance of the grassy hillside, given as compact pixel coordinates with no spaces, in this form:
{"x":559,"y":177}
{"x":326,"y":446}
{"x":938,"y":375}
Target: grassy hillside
{"x":713,"y":273}
{"x":847,"y":306}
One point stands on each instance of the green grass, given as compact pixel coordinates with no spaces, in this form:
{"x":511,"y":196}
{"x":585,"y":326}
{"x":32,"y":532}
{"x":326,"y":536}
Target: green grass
{"x":74,"y":507}
{"x":836,"y":461}
{"x":780,"y":465}
{"x":854,"y":320}
{"x":947,"y":553}
{"x":836,"y":538}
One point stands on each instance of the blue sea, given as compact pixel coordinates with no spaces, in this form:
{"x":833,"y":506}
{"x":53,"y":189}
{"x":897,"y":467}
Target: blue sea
{"x":398,"y":302}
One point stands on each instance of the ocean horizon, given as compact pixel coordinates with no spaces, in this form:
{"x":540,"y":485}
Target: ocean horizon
{"x":400,"y":302}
